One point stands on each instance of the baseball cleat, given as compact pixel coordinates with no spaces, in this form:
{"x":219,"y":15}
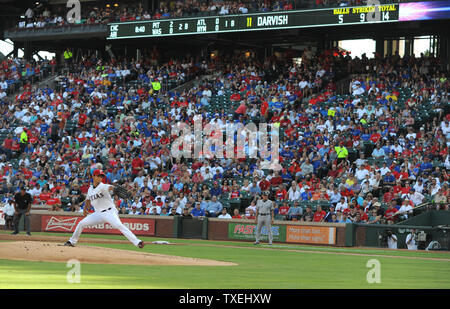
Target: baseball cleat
{"x":29,"y":234}
{"x":14,"y":233}
{"x":141,"y":245}
{"x":256,"y":242}
{"x":69,"y":244}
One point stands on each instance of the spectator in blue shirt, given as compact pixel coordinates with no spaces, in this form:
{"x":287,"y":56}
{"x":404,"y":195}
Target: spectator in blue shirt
{"x":214,"y":208}
{"x":287,"y":153}
{"x":378,"y":152}
{"x":179,"y":185}
{"x":204,"y":203}
{"x":426,"y":166}
{"x":389,"y":179}
{"x":306,"y":195}
{"x":198,"y":211}
{"x":215,"y":190}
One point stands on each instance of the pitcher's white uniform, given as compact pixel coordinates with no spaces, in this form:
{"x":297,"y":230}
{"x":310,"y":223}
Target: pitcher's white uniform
{"x":105,"y":212}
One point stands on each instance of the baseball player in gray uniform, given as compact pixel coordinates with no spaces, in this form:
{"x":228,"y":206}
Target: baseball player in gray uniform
{"x":264,"y":216}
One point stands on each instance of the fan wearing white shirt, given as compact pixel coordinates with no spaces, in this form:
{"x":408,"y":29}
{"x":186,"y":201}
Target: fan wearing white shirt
{"x":419,"y":186}
{"x":392,"y":240}
{"x":373,"y":89}
{"x":411,"y":240}
{"x":224,"y":214}
{"x":397,"y":148}
{"x":4,"y":85}
{"x":384,"y":170}
{"x":361,"y":173}
{"x":416,"y":197}
{"x":207,"y":175}
{"x":358,"y":91}
{"x":445,"y":127}
{"x":303,"y":84}
{"x":406,"y":208}
{"x":341,"y":205}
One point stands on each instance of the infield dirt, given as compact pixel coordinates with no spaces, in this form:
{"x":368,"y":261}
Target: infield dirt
{"x":53,"y":252}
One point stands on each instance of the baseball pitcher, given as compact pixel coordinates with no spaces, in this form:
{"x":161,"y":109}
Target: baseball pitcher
{"x":99,"y":196}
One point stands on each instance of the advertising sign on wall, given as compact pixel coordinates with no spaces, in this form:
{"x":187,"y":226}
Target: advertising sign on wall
{"x":311,"y":234}
{"x":246,"y":231}
{"x":68,"y":224}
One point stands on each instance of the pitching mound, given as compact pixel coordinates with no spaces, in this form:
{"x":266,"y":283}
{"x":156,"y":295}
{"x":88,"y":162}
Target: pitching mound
{"x":52,"y":252}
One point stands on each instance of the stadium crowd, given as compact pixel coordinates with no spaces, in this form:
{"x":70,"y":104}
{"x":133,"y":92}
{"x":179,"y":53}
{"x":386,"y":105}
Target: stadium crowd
{"x":55,"y":16}
{"x":16,"y":72}
{"x":373,"y":155}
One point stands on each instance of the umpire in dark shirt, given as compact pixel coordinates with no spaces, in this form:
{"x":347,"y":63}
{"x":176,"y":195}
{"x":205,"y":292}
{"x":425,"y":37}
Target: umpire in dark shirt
{"x":22,"y":206}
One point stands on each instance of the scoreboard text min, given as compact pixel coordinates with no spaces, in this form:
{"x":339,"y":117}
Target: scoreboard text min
{"x":252,"y":22}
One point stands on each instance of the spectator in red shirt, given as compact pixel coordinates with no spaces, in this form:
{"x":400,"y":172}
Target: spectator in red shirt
{"x":8,"y":146}
{"x":137,"y":165}
{"x":363,"y":217}
{"x":284,"y":209}
{"x":240,"y":111}
{"x":45,"y":195}
{"x":264,"y":184}
{"x":281,"y":193}
{"x":235,"y":193}
{"x":276,"y":180}
{"x":319,"y":215}
{"x":236,"y":214}
{"x":235,"y":97}
{"x":55,"y":202}
{"x":389,"y":196}
{"x":390,"y":212}
{"x":82,"y":119}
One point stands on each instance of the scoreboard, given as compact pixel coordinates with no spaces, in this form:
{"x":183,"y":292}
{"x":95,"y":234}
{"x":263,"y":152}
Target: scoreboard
{"x":257,"y":21}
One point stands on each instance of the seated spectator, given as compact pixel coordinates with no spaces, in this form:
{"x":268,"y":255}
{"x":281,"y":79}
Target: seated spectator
{"x":295,"y":212}
{"x":341,"y":205}
{"x":186,"y":213}
{"x":390,"y":212}
{"x":214,"y":208}
{"x":283,"y":209}
{"x":308,"y":216}
{"x":197,"y":211}
{"x":224,"y":214}
{"x":237,"y":215}
{"x":328,"y":217}
{"x":319,"y":215}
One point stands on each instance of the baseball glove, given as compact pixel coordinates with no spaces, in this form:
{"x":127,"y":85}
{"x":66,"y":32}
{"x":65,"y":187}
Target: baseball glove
{"x":122,"y":192}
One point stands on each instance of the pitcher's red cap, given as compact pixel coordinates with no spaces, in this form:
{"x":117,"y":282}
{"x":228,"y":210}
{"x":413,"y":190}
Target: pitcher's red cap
{"x":98,"y":173}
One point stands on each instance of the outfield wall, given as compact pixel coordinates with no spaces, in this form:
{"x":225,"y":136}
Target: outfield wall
{"x":328,"y":234}
{"x":206,"y":228}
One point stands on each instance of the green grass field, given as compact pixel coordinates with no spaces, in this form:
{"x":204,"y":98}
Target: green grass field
{"x":282,"y":266}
